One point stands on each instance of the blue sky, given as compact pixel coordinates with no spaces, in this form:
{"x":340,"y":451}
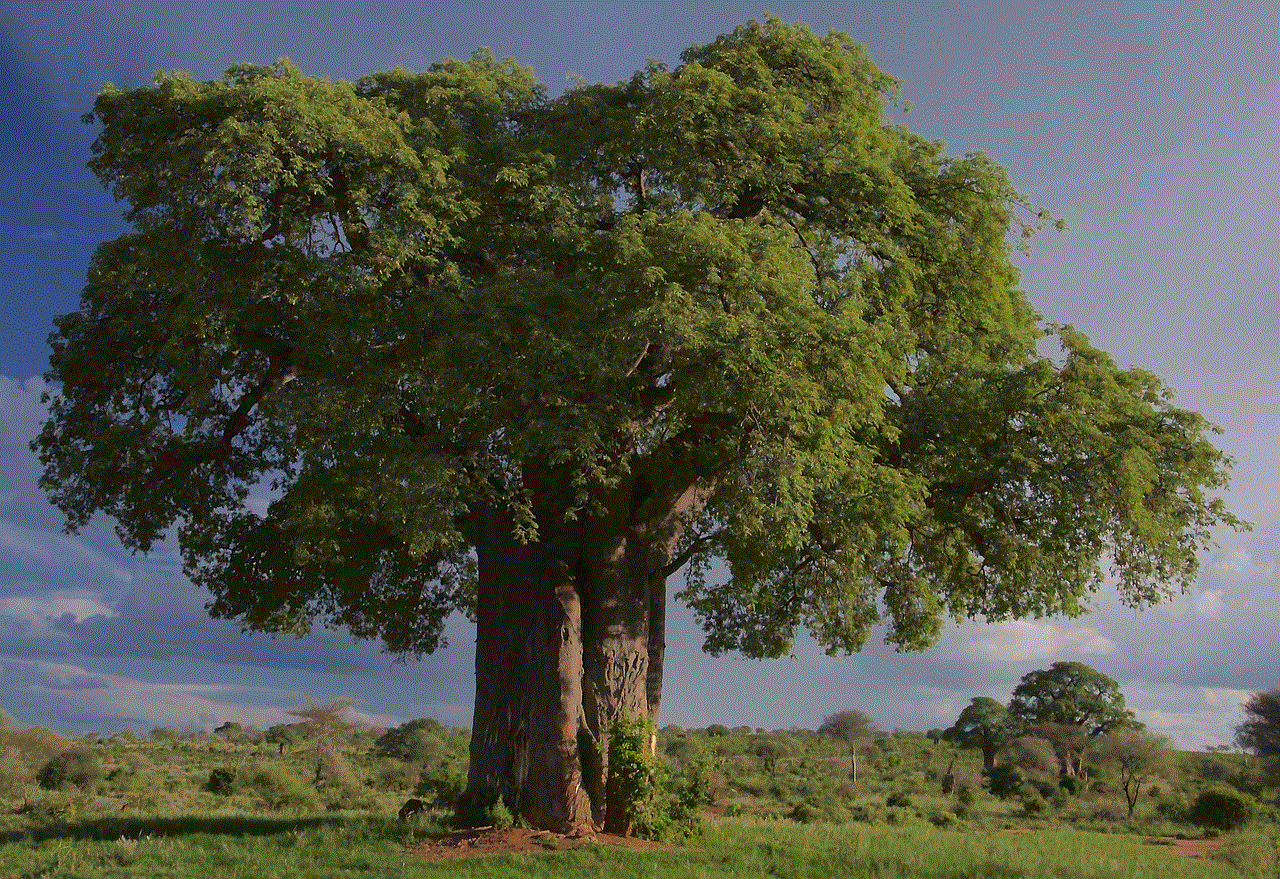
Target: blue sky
{"x":1153,"y":129}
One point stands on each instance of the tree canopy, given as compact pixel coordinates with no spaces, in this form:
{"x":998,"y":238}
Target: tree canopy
{"x":1259,"y":732}
{"x":1071,"y":694}
{"x":985,"y":724}
{"x":369,"y":347}
{"x":382,"y":303}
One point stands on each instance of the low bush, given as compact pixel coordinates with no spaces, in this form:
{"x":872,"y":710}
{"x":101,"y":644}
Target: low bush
{"x":1005,"y":781}
{"x":77,"y":768}
{"x":1221,"y":808}
{"x":221,"y":781}
{"x":279,"y":788}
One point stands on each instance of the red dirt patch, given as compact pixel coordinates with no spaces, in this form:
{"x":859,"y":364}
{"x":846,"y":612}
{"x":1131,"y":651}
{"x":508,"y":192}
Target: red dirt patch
{"x":482,"y":841}
{"x":1189,"y":848}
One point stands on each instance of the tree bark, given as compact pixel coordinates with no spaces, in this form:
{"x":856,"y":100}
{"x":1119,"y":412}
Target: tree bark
{"x":570,"y":638}
{"x":528,"y":734}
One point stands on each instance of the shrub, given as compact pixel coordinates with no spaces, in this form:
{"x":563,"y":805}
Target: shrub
{"x":1071,"y":784}
{"x":482,"y":810}
{"x":1035,"y":806}
{"x":77,"y":768}
{"x":440,"y":788}
{"x":898,"y":800}
{"x":281,"y":789}
{"x":944,"y":820}
{"x":221,"y":781}
{"x":1006,"y":781}
{"x":1221,"y":808}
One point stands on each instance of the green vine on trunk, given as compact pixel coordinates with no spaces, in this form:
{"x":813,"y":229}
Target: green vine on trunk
{"x":653,"y":802}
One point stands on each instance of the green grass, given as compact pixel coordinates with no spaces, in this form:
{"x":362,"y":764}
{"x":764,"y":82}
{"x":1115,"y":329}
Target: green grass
{"x":341,"y":845}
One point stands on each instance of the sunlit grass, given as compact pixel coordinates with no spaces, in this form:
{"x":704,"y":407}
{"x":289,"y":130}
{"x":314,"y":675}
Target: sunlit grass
{"x":352,"y":845}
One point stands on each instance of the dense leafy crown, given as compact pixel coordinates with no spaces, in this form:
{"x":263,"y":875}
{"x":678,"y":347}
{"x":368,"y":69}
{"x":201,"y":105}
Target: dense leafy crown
{"x":1071,"y":694}
{"x":350,"y":317}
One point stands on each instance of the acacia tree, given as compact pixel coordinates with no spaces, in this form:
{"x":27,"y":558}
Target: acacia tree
{"x":1138,"y":756}
{"x":436,"y":340}
{"x":851,"y":727}
{"x":1069,"y":705}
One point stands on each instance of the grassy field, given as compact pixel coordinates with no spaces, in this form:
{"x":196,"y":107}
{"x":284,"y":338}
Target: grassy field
{"x":204,"y":806}
{"x":341,"y":845}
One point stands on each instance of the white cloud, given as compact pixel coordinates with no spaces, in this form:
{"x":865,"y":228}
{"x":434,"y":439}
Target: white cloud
{"x":1239,"y":564}
{"x":21,"y":412}
{"x":41,"y":609}
{"x":1195,"y":718}
{"x":75,"y":695}
{"x":1025,"y":640}
{"x":1209,"y":603}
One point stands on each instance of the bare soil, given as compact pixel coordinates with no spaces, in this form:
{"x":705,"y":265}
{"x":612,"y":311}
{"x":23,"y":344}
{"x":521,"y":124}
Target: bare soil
{"x":1189,"y":848}
{"x":481,"y":841}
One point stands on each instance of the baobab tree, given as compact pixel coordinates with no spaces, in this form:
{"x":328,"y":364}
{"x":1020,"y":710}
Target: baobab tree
{"x":434,"y":340}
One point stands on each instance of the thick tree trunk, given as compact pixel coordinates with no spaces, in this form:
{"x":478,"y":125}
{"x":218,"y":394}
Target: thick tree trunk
{"x":570,"y":638}
{"x":528,"y":735}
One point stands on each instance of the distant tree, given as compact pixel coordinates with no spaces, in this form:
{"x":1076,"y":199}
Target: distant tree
{"x":327,"y":724}
{"x":229,"y":730}
{"x":1137,"y":755}
{"x":423,"y":742}
{"x":1032,"y":754}
{"x":983,"y":724}
{"x":1260,"y":731}
{"x":1069,"y":704}
{"x":1069,"y":743}
{"x":285,"y":735}
{"x":22,"y":753}
{"x":851,"y":727}
{"x":770,"y":749}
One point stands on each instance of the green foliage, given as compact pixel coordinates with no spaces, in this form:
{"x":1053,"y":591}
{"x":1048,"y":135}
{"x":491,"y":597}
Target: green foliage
{"x":78,"y":768}
{"x":440,"y":788}
{"x":22,"y":754}
{"x":1137,"y":756}
{"x":395,"y":300}
{"x":482,"y":810}
{"x":221,"y":781}
{"x":1035,"y":806}
{"x":984,"y":724}
{"x":1006,"y":781}
{"x":898,"y":800}
{"x":729,"y":310}
{"x":632,"y":770}
{"x":1259,"y":732}
{"x":1070,"y":694}
{"x":278,"y":788}
{"x":1222,"y":808}
{"x":657,"y":803}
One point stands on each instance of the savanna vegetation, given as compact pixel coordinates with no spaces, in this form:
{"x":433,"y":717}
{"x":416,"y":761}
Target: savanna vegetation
{"x":320,"y":797}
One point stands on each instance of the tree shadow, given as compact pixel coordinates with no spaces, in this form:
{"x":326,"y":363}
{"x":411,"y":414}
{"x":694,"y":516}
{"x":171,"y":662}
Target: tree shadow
{"x":135,"y":827}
